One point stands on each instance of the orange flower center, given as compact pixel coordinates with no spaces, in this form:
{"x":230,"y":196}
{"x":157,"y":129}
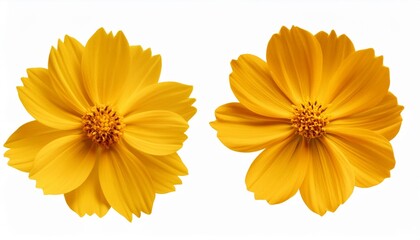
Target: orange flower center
{"x":309,"y":120}
{"x":103,"y":126}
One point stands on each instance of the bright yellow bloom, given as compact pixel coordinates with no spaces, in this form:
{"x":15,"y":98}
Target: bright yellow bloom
{"x":106,"y":133}
{"x":322,"y":113}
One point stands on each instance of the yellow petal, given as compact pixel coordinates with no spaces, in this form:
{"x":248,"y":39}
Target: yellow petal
{"x":125,"y":182}
{"x":164,"y":170}
{"x":254,"y":87}
{"x":385,"y":118}
{"x":105,"y":67}
{"x":360,"y":83}
{"x":44,"y":104}
{"x":26,"y":142}
{"x":369,"y":153}
{"x":64,"y":66}
{"x":278,"y":171}
{"x":63,"y":164}
{"x":334,"y":51}
{"x":144,"y":71}
{"x":295,"y":59}
{"x":88,"y":198}
{"x":329,"y":181}
{"x":155,"y":132}
{"x":170,"y":96}
{"x":242,"y":130}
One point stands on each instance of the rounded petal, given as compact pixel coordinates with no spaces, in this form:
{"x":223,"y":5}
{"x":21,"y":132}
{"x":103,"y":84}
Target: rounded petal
{"x":63,"y":164}
{"x":44,"y":104}
{"x":105,"y":67}
{"x":329,"y":180}
{"x":125,"y":182}
{"x":88,"y":198}
{"x":369,"y":153}
{"x":64,"y":67}
{"x":334,"y":51}
{"x":164,"y":170}
{"x":278,"y":171}
{"x":294,"y":58}
{"x":385,"y":118}
{"x":252,"y":84}
{"x":360,"y":83}
{"x":242,"y":130}
{"x":155,"y":132}
{"x":27,"y":141}
{"x":170,"y":96}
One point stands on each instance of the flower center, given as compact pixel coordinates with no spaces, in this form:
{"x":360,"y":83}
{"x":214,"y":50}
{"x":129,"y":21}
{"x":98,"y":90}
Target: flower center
{"x":103,"y":126}
{"x":309,"y":120}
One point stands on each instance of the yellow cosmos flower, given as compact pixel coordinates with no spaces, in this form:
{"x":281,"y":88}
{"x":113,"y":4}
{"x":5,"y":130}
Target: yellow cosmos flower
{"x":322,"y":113}
{"x":106,"y":133}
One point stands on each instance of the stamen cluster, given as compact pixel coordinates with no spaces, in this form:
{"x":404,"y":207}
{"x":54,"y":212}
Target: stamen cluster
{"x":103,"y":126}
{"x":309,"y":120}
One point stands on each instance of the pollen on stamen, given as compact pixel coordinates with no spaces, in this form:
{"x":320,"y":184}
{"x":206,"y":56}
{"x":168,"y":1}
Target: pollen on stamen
{"x":103,"y":126}
{"x":309,"y":120}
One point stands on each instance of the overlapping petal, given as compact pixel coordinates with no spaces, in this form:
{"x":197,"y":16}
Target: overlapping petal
{"x":156,"y":132}
{"x":164,"y":170}
{"x":105,"y":67}
{"x":334,"y":51}
{"x":144,"y":71}
{"x":329,"y":180}
{"x":369,"y":153}
{"x":64,"y":67}
{"x":242,"y":130}
{"x":88,"y":198}
{"x":294,"y":58}
{"x":252,"y":84}
{"x":63,"y":164}
{"x":25,"y":143}
{"x":278,"y":172}
{"x":125,"y":182}
{"x":385,"y":118}
{"x":44,"y":104}
{"x":170,"y":96}
{"x":360,"y":83}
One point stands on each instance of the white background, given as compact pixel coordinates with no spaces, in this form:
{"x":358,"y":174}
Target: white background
{"x":197,"y":41}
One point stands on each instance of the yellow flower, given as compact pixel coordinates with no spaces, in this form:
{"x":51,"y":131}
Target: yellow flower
{"x":322,"y":113}
{"x":106,"y":133}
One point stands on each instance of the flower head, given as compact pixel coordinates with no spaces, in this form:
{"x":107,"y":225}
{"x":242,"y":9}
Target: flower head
{"x":106,"y":133}
{"x":320,"y":111}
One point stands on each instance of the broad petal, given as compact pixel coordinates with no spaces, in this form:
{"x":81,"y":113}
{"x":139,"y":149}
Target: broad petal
{"x":125,"y":182}
{"x":63,"y":164}
{"x":155,"y":132}
{"x":144,"y":71}
{"x":88,"y":198}
{"x":385,"y":118}
{"x":334,"y":51}
{"x":105,"y":67}
{"x":294,"y":58}
{"x":329,"y":180}
{"x":242,"y":130}
{"x":27,"y":141}
{"x":278,"y":172}
{"x":170,"y":96}
{"x":164,"y":170}
{"x":360,"y":83}
{"x":64,"y":67}
{"x":44,"y":104}
{"x":252,"y":84}
{"x":369,"y":153}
